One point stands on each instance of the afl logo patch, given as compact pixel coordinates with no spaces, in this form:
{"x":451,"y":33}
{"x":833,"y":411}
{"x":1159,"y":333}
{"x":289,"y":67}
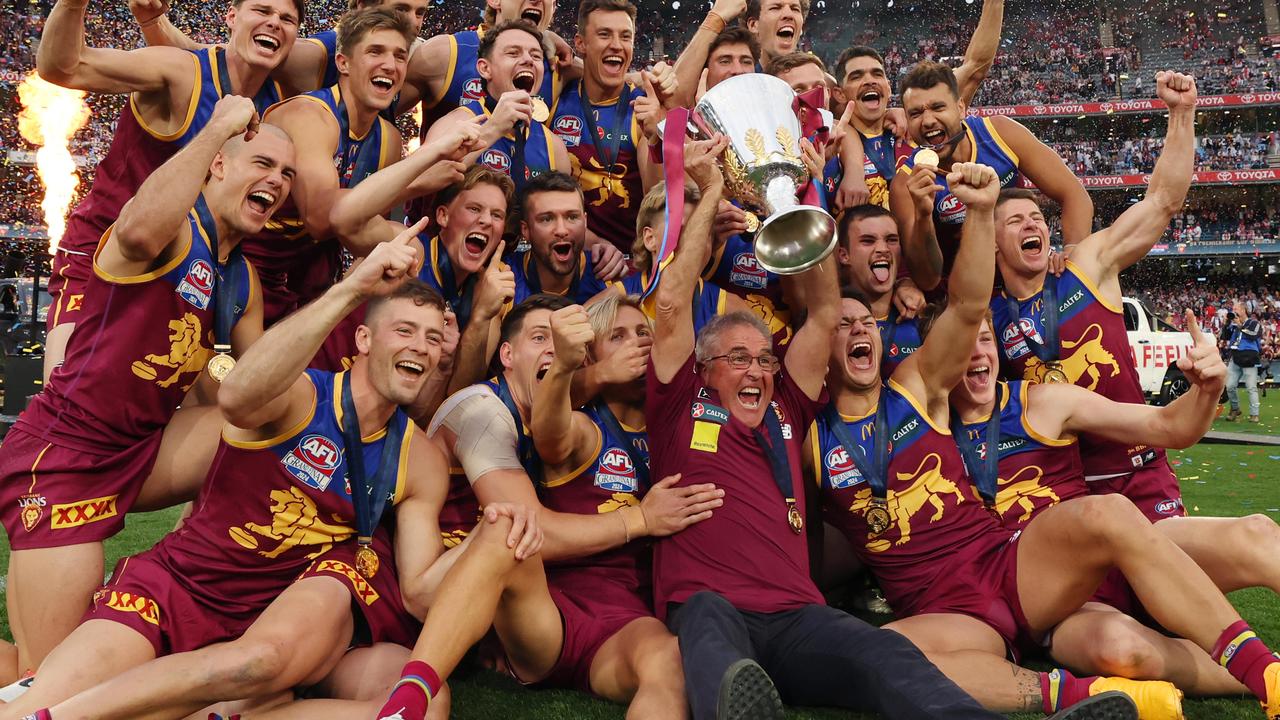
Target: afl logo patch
{"x":197,"y":286}
{"x":313,"y":461}
{"x":496,"y":160}
{"x":840,"y":469}
{"x":616,"y":473}
{"x":568,"y":128}
{"x":473,"y":90}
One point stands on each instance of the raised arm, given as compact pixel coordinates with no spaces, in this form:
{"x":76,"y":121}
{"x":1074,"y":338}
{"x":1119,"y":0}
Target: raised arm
{"x":693,"y":59}
{"x":64,"y":59}
{"x":982,"y":50}
{"x":262,"y":391}
{"x":496,"y":287}
{"x":673,"y":323}
{"x":1043,"y":166}
{"x":933,"y":370}
{"x":807,"y":355}
{"x":911,"y":196}
{"x":157,"y":215}
{"x":153,"y":22}
{"x":355,"y":217}
{"x":560,"y":436}
{"x":1064,"y":409}
{"x":1105,"y":253}
{"x":316,"y":189}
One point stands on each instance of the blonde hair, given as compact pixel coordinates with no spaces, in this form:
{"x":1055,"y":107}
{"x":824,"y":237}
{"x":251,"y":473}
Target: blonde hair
{"x":604,"y":313}
{"x":647,"y":215}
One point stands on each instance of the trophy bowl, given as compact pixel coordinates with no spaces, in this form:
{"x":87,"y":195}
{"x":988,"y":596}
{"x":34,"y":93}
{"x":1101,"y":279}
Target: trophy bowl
{"x":763,"y":170}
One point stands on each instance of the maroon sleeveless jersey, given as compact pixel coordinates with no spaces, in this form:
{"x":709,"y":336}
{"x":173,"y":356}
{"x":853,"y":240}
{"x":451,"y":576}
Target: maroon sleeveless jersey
{"x":269,"y":508}
{"x":1035,"y":472}
{"x":1095,"y":354}
{"x":938,"y":522}
{"x":139,"y":346}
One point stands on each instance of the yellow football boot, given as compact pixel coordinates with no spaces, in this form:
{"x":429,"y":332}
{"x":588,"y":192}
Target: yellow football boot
{"x":1156,"y":699}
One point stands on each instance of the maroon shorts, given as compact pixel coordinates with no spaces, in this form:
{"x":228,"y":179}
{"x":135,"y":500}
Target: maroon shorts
{"x":1153,"y":489}
{"x":67,"y":283}
{"x":377,"y":600}
{"x":986,"y":588}
{"x":145,"y":595}
{"x":593,"y":610}
{"x":54,"y":496}
{"x":1116,"y":592}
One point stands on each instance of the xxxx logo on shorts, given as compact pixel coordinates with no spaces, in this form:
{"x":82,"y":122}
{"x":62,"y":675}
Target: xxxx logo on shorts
{"x":71,"y":515}
{"x":707,"y":412}
{"x":362,"y":588}
{"x":144,"y":607}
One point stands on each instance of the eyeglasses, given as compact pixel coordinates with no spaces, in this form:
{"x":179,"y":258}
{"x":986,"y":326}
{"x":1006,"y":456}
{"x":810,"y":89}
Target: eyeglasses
{"x":739,"y":360}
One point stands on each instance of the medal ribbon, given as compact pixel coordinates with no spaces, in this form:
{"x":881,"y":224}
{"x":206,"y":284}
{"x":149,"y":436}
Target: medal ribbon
{"x":776,"y":449}
{"x":609,"y":153}
{"x":535,"y":283}
{"x":890,"y":330}
{"x":527,"y":453}
{"x":876,"y":469}
{"x":226,"y":281}
{"x":368,"y":495}
{"x":460,"y":300}
{"x":1048,"y":351}
{"x":263,"y":100}
{"x":614,"y":428}
{"x":360,"y":158}
{"x":881,"y":157}
{"x":673,"y":134}
{"x":984,"y":471}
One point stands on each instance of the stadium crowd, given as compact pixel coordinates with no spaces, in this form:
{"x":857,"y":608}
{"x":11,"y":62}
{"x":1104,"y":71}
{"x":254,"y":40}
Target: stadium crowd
{"x":596,"y":398}
{"x":1118,"y":156}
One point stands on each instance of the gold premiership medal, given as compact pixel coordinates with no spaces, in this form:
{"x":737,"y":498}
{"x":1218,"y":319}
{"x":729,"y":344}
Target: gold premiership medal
{"x":927,"y":157}
{"x":220,"y":366}
{"x":541,"y":113}
{"x":794,"y":518}
{"x":366,"y":561}
{"x":878,"y":517}
{"x":1054,"y":373}
{"x":753,"y":222}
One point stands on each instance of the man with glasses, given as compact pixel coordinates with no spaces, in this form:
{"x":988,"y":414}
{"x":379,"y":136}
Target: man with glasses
{"x":735,"y":587}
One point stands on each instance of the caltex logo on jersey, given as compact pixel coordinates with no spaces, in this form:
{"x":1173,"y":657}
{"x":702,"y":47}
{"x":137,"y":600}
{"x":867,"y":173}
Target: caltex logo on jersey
{"x":616,"y":473}
{"x":496,"y":160}
{"x":313,"y":461}
{"x":473,"y":90}
{"x":569,"y":129}
{"x":197,"y":287}
{"x":841,"y":470}
{"x":747,"y":272}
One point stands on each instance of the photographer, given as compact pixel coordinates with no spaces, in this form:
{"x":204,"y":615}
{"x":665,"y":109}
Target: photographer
{"x":1243,"y":335}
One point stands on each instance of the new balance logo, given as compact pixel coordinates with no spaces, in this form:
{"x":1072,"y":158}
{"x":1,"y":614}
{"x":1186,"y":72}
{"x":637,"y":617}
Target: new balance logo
{"x":397,"y":716}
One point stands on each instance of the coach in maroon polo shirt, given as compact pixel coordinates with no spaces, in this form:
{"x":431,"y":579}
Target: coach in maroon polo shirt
{"x":735,"y":588}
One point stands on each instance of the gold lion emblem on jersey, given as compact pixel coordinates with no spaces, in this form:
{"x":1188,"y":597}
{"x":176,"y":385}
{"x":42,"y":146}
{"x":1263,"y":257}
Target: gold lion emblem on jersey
{"x":778,"y":321}
{"x":598,"y":185}
{"x":927,"y":487}
{"x":1088,"y":356}
{"x":187,"y":355}
{"x":617,"y":501}
{"x":295,"y":522}
{"x":1022,"y":490}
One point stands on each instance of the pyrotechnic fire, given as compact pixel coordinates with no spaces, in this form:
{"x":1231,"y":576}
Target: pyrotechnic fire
{"x":50,"y":116}
{"x":414,"y":142}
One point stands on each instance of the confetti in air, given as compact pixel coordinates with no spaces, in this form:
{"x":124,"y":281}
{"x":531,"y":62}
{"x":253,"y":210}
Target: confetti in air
{"x":50,"y":116}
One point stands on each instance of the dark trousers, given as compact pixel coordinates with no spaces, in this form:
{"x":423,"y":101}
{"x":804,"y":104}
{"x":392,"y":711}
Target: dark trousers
{"x":816,"y":655}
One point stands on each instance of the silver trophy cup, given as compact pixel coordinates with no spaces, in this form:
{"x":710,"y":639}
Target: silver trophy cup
{"x":763,"y":169}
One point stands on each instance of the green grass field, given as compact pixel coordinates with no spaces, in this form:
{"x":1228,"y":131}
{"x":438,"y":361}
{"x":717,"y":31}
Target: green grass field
{"x":1220,"y":480}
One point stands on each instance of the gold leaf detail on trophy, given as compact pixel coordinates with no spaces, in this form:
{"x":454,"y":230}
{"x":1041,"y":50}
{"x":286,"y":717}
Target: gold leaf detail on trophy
{"x":733,"y":168}
{"x":788,"y":143}
{"x":755,"y":142}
